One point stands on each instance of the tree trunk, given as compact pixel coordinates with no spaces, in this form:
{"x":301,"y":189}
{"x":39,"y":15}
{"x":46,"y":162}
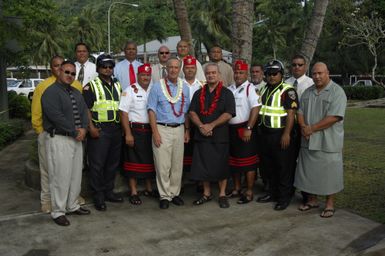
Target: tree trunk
{"x":313,"y":33}
{"x":183,"y":23}
{"x":242,"y":30}
{"x":4,"y":114}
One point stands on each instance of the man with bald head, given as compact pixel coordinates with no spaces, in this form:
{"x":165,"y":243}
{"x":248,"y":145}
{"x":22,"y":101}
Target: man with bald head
{"x":159,"y":70}
{"x":321,"y":113}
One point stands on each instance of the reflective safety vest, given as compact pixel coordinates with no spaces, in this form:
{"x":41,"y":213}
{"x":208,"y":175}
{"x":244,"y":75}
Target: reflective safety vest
{"x":105,"y":107}
{"x":272,"y":114}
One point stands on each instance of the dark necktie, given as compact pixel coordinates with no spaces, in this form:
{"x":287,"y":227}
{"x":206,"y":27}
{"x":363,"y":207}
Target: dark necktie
{"x":81,"y":74}
{"x":132,"y":74}
{"x":295,"y":84}
{"x":75,"y":110}
{"x":164,"y":72}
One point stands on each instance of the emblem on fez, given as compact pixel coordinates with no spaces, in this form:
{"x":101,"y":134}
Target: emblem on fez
{"x":189,"y":61}
{"x":239,"y":66}
{"x":147,"y":68}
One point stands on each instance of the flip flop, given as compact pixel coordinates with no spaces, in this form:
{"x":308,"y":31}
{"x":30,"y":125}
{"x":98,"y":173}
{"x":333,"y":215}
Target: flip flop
{"x":307,"y":207}
{"x":244,"y":199}
{"x":234,"y":194}
{"x":327,"y":213}
{"x":135,"y":200}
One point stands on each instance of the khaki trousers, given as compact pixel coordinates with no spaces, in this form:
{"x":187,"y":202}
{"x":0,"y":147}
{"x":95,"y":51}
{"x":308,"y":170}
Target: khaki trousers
{"x":45,"y":195}
{"x":168,"y":159}
{"x":64,"y":159}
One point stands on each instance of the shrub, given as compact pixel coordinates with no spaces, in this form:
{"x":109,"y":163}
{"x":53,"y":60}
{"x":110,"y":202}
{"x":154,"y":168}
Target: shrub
{"x":19,"y":106}
{"x":363,"y":92}
{"x":10,"y":131}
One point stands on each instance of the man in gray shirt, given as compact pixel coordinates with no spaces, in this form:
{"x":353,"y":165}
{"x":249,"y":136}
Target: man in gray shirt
{"x":65,"y":121}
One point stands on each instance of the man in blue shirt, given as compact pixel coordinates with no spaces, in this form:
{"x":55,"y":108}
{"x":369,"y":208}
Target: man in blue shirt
{"x":167,"y":105}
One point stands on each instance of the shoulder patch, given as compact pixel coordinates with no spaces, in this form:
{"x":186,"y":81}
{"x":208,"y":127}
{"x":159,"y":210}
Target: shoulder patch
{"x":293,"y":105}
{"x":291,"y":94}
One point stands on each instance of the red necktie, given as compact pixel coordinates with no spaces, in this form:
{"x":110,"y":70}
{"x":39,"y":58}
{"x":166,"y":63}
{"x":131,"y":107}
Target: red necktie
{"x":132,"y":74}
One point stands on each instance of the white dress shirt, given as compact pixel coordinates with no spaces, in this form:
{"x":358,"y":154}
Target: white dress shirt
{"x":156,"y":73}
{"x":135,"y":103}
{"x":121,"y":72}
{"x":89,"y":71}
{"x":245,"y":99}
{"x":195,"y":86}
{"x":304,"y":82}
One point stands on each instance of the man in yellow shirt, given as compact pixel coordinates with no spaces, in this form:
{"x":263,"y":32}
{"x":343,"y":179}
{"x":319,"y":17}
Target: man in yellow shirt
{"x":37,"y":124}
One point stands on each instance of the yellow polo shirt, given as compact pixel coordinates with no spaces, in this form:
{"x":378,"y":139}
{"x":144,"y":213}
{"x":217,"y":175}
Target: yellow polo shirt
{"x":36,"y":110}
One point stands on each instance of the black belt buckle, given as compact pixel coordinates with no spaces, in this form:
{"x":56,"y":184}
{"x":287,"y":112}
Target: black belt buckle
{"x":172,"y":125}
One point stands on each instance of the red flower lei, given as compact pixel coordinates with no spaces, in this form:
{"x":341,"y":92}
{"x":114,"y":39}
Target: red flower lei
{"x":213,"y":105}
{"x":172,"y":105}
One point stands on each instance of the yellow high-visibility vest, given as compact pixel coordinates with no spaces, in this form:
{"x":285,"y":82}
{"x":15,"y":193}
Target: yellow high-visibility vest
{"x":105,"y":110}
{"x":272,"y":113}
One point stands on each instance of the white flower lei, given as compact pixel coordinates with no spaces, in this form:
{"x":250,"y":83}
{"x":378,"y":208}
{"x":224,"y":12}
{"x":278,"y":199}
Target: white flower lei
{"x":170,"y":99}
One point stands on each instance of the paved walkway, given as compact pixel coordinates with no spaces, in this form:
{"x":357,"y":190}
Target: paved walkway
{"x":252,"y":229}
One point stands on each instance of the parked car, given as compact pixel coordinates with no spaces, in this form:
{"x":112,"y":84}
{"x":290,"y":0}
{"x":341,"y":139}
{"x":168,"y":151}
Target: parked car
{"x":24,"y":87}
{"x":364,"y":82}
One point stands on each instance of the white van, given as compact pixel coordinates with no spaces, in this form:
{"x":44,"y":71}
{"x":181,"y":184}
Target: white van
{"x":25,"y":87}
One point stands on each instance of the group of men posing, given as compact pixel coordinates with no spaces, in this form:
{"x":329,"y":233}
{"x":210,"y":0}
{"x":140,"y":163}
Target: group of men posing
{"x":177,"y":117}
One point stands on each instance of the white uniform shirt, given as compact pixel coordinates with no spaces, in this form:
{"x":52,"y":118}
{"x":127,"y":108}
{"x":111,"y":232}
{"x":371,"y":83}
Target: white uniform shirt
{"x":304,"y":82}
{"x":89,"y":71}
{"x":193,"y":87}
{"x":121,"y":72}
{"x":135,"y":103}
{"x":243,"y":103}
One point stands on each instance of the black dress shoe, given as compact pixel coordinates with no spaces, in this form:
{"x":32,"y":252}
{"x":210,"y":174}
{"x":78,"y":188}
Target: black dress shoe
{"x":100,"y":206}
{"x":114,"y":198}
{"x":177,"y":201}
{"x":265,"y":199}
{"x":281,"y":206}
{"x":164,"y":204}
{"x":223,"y":202}
{"x":80,"y":211}
{"x":61,"y":221}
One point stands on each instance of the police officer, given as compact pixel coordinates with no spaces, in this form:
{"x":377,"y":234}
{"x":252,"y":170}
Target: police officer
{"x":276,"y":119}
{"x":104,"y":142}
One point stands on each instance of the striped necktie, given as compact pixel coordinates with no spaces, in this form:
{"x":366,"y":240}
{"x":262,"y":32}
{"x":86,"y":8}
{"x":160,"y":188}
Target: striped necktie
{"x":81,"y":74}
{"x":75,"y":109}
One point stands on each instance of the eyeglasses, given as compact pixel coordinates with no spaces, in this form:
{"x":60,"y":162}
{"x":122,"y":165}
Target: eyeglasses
{"x":109,"y":67}
{"x":297,"y":65}
{"x":67,"y":72}
{"x":272,"y":73}
{"x":162,"y":53}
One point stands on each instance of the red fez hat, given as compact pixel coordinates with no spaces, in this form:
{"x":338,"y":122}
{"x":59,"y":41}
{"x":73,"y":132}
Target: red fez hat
{"x":189,"y":60}
{"x":145,"y":68}
{"x":241,"y":65}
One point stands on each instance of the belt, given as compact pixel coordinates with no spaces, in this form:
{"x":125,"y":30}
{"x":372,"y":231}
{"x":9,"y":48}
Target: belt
{"x":268,"y":130}
{"x":140,"y":125}
{"x":54,"y":132}
{"x":172,"y":125}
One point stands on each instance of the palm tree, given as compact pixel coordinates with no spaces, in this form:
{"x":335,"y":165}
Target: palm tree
{"x":182,"y":20}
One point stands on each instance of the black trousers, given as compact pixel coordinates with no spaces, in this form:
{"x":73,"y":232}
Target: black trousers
{"x":104,"y":160}
{"x":277,"y":163}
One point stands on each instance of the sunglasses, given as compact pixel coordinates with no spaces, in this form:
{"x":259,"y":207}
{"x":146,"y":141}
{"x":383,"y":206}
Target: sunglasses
{"x":109,"y":67}
{"x":296,"y":65}
{"x":272,"y":73}
{"x":67,"y":72}
{"x":164,"y":53}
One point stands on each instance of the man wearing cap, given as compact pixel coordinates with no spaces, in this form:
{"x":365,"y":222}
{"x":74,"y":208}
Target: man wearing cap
{"x":183,"y":48}
{"x":190,"y":70}
{"x":37,"y":124}
{"x":85,"y":69}
{"x":211,"y":109}
{"x":102,"y":97}
{"x":64,"y":121}
{"x":276,"y":119}
{"x":126,"y":70}
{"x":225,"y":69}
{"x":159,"y":70}
{"x":167,"y":105}
{"x":256,"y":72}
{"x":138,"y":158}
{"x":243,"y":138}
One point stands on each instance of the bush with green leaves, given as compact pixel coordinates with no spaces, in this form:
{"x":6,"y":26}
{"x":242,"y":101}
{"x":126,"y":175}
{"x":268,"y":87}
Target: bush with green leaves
{"x":10,"y":130}
{"x":364,"y":92}
{"x":19,"y":106}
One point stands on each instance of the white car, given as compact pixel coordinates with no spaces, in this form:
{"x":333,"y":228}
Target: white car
{"x":24,"y":87}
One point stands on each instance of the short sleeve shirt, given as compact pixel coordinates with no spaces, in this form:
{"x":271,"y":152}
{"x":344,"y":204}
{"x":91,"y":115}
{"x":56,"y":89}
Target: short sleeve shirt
{"x":225,"y":104}
{"x":245,"y":99}
{"x":315,"y":106}
{"x":134,"y":102}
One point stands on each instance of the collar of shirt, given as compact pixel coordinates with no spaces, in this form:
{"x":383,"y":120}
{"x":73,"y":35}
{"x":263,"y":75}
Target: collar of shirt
{"x":78,"y":64}
{"x":325,"y":89}
{"x":196,"y":82}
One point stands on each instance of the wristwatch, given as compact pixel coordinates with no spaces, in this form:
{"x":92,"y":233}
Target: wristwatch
{"x":249,"y":128}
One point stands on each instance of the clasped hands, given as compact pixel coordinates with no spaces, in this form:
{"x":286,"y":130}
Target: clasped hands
{"x":206,"y":129}
{"x":306,"y":131}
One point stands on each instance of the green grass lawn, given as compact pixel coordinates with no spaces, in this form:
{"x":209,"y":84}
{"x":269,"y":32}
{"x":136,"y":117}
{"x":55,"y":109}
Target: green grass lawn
{"x":364,"y":161}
